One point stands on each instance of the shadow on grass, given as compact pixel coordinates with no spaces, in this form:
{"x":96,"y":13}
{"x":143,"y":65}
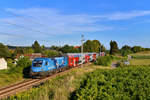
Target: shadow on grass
{"x":26,"y":72}
{"x":73,"y":95}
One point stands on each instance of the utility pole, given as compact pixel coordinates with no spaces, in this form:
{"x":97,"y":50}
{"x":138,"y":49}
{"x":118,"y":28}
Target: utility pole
{"x":82,"y":40}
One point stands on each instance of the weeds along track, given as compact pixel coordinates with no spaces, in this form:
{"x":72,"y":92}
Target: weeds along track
{"x":22,"y":86}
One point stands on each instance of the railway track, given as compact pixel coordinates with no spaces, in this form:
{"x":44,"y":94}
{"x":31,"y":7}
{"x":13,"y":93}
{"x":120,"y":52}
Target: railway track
{"x":22,"y":86}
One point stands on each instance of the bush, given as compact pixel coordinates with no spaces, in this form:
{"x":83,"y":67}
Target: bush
{"x":128,"y":83}
{"x":125,"y":52}
{"x":104,"y":61}
{"x":23,"y":62}
{"x":120,"y":64}
{"x":15,"y":72}
{"x":51,"y":53}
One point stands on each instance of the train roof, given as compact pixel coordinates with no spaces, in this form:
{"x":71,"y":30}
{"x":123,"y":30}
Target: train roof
{"x":42,"y":58}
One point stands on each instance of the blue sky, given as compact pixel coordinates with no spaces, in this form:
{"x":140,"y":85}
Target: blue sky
{"x":59,"y":22}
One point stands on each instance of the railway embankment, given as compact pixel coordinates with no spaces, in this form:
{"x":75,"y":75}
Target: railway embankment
{"x":59,"y":87}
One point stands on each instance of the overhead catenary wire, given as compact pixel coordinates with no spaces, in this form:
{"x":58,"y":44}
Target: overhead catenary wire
{"x":24,"y":17}
{"x":21,"y":26}
{"x":24,"y":27}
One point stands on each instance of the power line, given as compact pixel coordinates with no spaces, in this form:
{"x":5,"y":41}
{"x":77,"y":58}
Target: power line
{"x":82,"y":40}
{"x":21,"y":26}
{"x":24,"y":17}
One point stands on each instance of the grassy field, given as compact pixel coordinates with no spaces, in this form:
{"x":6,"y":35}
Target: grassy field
{"x":140,"y":61}
{"x":59,"y":88}
{"x":15,"y":73}
{"x":141,"y":58}
{"x":7,"y":78}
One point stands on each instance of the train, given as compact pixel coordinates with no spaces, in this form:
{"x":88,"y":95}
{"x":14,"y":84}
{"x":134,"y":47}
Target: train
{"x":42,"y":67}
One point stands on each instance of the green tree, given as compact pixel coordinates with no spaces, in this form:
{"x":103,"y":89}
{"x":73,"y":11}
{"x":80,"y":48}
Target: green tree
{"x":36,"y":47}
{"x":126,"y":47}
{"x":4,"y":51}
{"x":113,"y":47}
{"x":136,"y":49}
{"x":51,"y":53}
{"x":96,"y":46}
{"x":126,"y":50}
{"x":92,"y":46}
{"x":55,"y":48}
{"x":42,"y":47}
{"x":19,"y":50}
{"x":87,"y":46}
{"x":28,"y":50}
{"x":69,"y":49}
{"x":103,"y":49}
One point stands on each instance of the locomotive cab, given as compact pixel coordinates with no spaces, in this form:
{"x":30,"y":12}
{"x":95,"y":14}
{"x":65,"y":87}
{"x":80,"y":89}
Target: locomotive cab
{"x":40,"y":66}
{"x":46,"y":66}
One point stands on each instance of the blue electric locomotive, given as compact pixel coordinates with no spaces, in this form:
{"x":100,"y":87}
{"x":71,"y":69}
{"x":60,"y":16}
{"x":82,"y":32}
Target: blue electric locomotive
{"x":46,"y":66}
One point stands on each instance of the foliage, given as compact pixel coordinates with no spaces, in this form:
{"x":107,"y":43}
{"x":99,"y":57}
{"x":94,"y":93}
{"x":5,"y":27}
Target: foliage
{"x":15,"y":73}
{"x":102,"y":48}
{"x":28,"y":50}
{"x":129,"y":83}
{"x":19,"y":50}
{"x":36,"y":47}
{"x":61,"y":87}
{"x":140,"y":61}
{"x":126,"y":47}
{"x":104,"y":60}
{"x":141,"y":56}
{"x":122,"y":63}
{"x":55,"y":48}
{"x":125,"y":52}
{"x":4,"y":52}
{"x":92,"y":46}
{"x":51,"y":53}
{"x":113,"y":47}
{"x":136,"y":49}
{"x":69,"y":49}
{"x":23,"y":62}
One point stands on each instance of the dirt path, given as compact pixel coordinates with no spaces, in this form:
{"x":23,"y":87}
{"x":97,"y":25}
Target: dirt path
{"x":114,"y":65}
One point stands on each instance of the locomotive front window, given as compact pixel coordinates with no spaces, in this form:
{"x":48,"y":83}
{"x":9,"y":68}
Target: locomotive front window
{"x":37,"y":63}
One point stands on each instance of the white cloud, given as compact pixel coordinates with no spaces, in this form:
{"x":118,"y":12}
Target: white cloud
{"x":127,"y":15}
{"x":46,"y":22}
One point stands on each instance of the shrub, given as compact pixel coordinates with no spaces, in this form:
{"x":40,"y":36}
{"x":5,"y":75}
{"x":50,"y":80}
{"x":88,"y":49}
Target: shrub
{"x":23,"y":62}
{"x":51,"y":53}
{"x":125,"y":52}
{"x":128,"y":83}
{"x":120,"y":64}
{"x":15,"y":72}
{"x":104,"y":61}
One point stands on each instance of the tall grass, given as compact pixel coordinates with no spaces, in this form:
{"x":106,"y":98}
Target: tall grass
{"x":60,"y":88}
{"x":107,"y":60}
{"x":104,"y":61}
{"x":15,"y":73}
{"x":141,"y":56}
{"x":140,"y":61}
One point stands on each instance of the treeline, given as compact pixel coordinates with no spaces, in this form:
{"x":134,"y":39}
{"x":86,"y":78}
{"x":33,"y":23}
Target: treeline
{"x":12,"y":51}
{"x":125,"y":50}
{"x":89,"y":46}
